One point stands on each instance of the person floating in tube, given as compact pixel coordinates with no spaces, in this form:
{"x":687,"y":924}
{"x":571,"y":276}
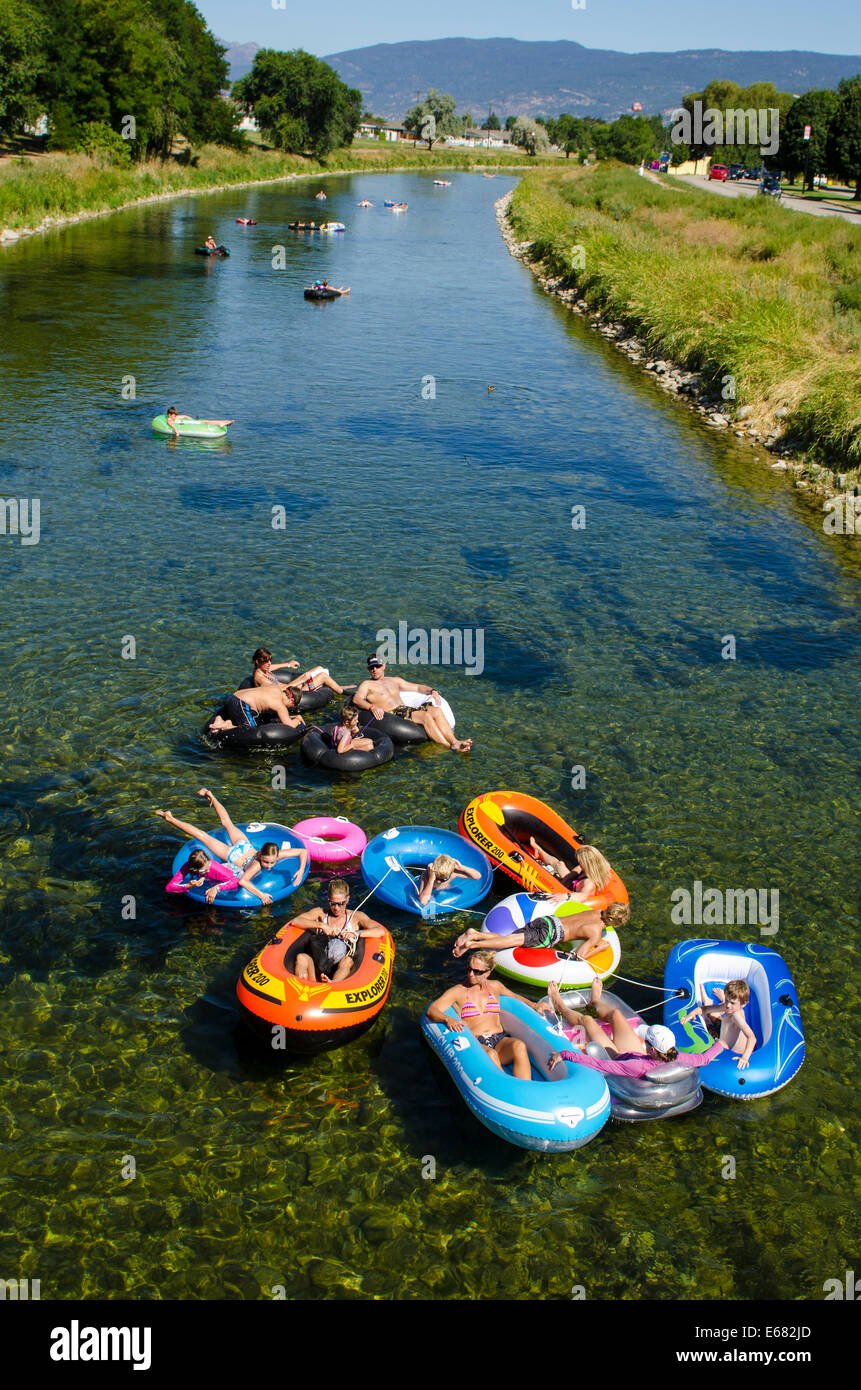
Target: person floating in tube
{"x":309,"y":680}
{"x":439,"y":874}
{"x":479,"y":1011}
{"x":173,"y":418}
{"x":331,"y":952}
{"x":239,"y":856}
{"x":632,"y":1051}
{"x":242,"y":709}
{"x":347,"y":735}
{"x":383,"y":694}
{"x":726,"y":1020}
{"x":549,"y":932}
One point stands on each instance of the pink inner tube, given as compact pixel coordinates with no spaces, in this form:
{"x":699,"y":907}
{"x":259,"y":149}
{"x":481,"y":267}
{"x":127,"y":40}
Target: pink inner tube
{"x":331,"y":839}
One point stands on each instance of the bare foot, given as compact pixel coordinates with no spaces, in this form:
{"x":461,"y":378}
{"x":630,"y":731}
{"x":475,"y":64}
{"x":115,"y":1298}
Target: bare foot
{"x":463,"y":943}
{"x":463,"y":746}
{"x":219,"y":723}
{"x":205,"y":792}
{"x":597,"y":990}
{"x":165,"y":815}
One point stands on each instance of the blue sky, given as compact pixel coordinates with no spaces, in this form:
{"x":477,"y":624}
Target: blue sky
{"x":829,"y":26}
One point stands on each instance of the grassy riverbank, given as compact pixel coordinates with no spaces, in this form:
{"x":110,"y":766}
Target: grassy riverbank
{"x":61,"y":186}
{"x":727,"y":287}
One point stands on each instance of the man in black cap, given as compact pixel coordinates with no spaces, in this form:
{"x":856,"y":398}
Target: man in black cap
{"x":383,"y":694}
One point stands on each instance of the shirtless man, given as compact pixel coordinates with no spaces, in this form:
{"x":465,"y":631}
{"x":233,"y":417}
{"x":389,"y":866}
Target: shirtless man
{"x":549,"y":932}
{"x":242,"y":709}
{"x":338,"y":931}
{"x":382,"y":694}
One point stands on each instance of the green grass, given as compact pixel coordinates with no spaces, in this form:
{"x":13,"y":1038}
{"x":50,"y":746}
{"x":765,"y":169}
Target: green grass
{"x":58,"y":185}
{"x":735,"y":287}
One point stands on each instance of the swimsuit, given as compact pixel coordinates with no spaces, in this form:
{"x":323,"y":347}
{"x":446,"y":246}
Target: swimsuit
{"x":239,"y":713}
{"x":216,"y":873}
{"x":491,"y":1040}
{"x":239,"y":854}
{"x":543,"y":932}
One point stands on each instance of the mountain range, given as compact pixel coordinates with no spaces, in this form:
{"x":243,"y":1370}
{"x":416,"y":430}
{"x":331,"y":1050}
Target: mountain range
{"x":544,"y":79}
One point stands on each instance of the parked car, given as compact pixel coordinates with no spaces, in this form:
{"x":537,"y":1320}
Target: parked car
{"x":718,"y":171}
{"x":736,"y":171}
{"x":770,"y":186}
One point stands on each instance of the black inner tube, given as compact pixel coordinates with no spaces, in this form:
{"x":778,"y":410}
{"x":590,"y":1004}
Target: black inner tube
{"x":398,"y":729}
{"x":318,"y":750}
{"x":309,"y":699}
{"x":269,"y":733}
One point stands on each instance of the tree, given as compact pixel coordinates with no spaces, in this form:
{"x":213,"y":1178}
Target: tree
{"x":433,"y":118}
{"x":531,"y":136}
{"x":632,"y":139}
{"x":22,"y":61}
{"x":510,"y":122}
{"x":299,"y":102}
{"x":816,"y":109}
{"x":492,"y":122}
{"x":844,"y":144}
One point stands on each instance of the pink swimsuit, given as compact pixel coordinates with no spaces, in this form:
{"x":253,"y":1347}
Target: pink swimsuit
{"x":216,"y":873}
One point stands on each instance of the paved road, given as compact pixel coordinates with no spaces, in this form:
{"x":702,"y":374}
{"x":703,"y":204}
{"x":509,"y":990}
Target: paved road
{"x":748,"y":189}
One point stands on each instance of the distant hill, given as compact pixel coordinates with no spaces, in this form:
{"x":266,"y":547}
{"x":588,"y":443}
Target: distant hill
{"x":543,"y":79}
{"x":240,"y":56}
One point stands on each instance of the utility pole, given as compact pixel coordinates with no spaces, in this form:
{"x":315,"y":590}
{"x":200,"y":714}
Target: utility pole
{"x":806,"y":186}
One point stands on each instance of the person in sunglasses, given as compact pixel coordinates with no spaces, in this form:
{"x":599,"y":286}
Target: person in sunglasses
{"x":479,"y":1011}
{"x":332,"y":948}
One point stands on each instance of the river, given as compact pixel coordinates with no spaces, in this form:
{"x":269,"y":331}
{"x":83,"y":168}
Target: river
{"x":412,"y":493}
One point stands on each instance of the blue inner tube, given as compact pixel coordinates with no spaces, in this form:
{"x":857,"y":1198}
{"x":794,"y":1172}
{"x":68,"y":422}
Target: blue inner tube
{"x":318,"y":751}
{"x":278,"y":883}
{"x":414,"y":846}
{"x":772,"y":1012}
{"x":309,"y":700}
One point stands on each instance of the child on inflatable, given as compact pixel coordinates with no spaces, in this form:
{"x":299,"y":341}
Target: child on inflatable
{"x":549,"y":932}
{"x":734,"y":1031}
{"x":439,"y":874}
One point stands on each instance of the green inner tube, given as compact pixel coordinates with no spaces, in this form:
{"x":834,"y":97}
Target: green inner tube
{"x":190,"y":429}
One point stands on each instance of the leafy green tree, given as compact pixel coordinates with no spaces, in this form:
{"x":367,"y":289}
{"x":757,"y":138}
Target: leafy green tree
{"x":816,"y":109}
{"x":23,"y":32}
{"x":510,"y":122}
{"x":530,"y":136}
{"x":844,"y":143}
{"x":433,"y":118}
{"x":300,"y":103}
{"x":492,"y":122}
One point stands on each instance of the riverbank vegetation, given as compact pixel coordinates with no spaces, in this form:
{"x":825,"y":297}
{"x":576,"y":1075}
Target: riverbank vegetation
{"x":764,"y":302}
{"x":61,"y":186}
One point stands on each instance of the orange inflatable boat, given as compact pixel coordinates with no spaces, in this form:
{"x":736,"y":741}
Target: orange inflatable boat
{"x":501,"y":824}
{"x":313,"y":1016}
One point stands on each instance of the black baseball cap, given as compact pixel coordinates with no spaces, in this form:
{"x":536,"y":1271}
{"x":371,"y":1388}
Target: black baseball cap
{"x":373,"y":662}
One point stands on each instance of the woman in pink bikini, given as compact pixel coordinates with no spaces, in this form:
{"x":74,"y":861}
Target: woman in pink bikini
{"x":477,"y":1003}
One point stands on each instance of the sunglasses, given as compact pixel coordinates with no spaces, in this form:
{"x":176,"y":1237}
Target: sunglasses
{"x":471,"y":970}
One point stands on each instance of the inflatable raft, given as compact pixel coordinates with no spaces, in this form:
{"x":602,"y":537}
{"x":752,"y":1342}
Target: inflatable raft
{"x":189,"y":429}
{"x":313,"y":1017}
{"x":539,"y":966}
{"x":772,"y":1012}
{"x":671,"y":1089}
{"x":317,"y":293}
{"x":501,"y":824}
{"x":410,"y":848}
{"x":278,"y":882}
{"x":554,"y":1112}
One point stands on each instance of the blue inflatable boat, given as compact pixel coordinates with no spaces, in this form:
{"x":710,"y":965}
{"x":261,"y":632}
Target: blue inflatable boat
{"x":393,"y":864}
{"x":772,"y":1012}
{"x":553,"y":1112}
{"x":278,"y":883}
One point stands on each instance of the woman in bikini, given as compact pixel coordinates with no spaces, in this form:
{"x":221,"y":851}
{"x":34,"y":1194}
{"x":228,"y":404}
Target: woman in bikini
{"x":264,"y":669}
{"x":240,"y":856}
{"x":586,"y":881}
{"x":478,"y":1007}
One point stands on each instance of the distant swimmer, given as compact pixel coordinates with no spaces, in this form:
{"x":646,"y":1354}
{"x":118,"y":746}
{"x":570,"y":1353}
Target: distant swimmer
{"x":173,"y":417}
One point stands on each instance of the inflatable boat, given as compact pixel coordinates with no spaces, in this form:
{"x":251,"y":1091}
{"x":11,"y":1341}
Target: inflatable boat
{"x":277,"y":882}
{"x":393,"y":864}
{"x":189,"y":429}
{"x":331,"y":839}
{"x":318,"y":750}
{"x":501,"y":824}
{"x":554,"y":1112}
{"x":540,"y":966}
{"x":670,"y":1089}
{"x":297,"y":1016}
{"x":772,"y":1012}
